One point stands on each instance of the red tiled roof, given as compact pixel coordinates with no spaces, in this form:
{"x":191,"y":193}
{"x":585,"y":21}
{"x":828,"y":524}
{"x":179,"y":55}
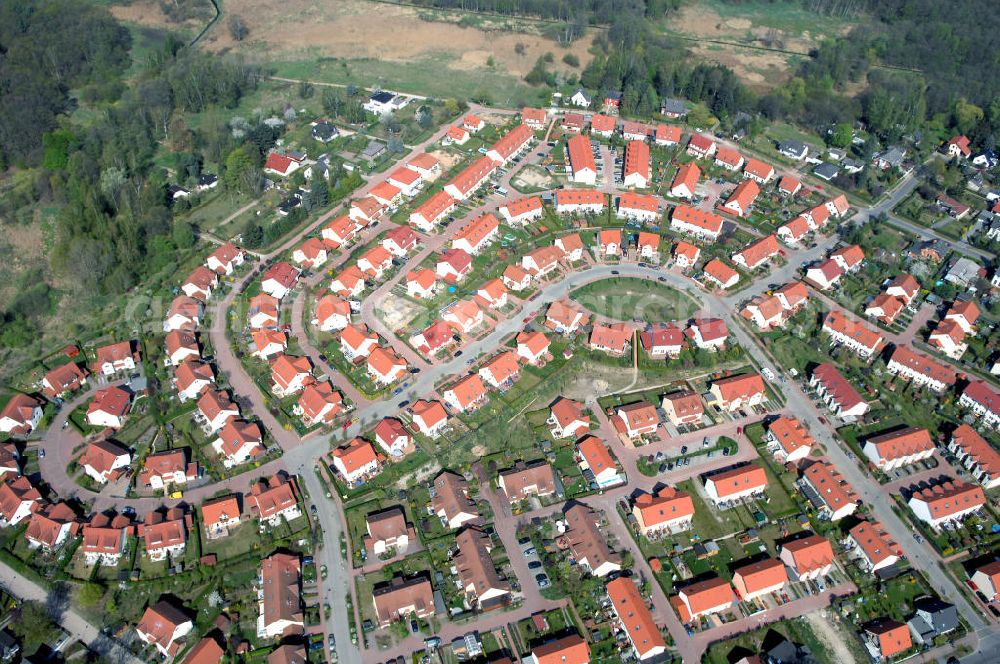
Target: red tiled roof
{"x":695,"y":217}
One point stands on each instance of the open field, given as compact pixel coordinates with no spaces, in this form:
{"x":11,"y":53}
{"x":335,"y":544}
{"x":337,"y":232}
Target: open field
{"x":786,"y":27}
{"x":367,"y":43}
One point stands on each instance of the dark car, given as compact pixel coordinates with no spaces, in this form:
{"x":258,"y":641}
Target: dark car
{"x":458,"y":353}
{"x":534,"y":564}
{"x":542,"y":580}
{"x":615,"y":272}
{"x":414,"y":627}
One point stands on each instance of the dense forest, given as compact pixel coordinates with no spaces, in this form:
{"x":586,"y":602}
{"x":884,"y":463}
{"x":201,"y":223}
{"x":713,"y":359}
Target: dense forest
{"x":114,"y":223}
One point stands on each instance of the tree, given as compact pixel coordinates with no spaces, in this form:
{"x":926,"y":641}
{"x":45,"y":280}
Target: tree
{"x":966,"y":116}
{"x":242,"y":174}
{"x":183,"y":234}
{"x":333,"y":103}
{"x":33,"y":625}
{"x":306,"y":90}
{"x":571,"y":60}
{"x":238,"y":29}
{"x":842,"y":135}
{"x":90,"y":594}
{"x":319,"y":192}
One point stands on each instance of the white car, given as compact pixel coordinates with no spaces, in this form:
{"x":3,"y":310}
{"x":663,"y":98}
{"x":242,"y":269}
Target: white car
{"x":768,"y":374}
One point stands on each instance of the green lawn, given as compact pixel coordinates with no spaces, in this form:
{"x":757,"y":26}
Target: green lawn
{"x":635,"y":299}
{"x":419,"y":76}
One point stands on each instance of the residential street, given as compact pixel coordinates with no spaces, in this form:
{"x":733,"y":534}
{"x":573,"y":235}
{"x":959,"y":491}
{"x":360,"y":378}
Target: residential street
{"x":302,"y":454}
{"x":71,"y":621}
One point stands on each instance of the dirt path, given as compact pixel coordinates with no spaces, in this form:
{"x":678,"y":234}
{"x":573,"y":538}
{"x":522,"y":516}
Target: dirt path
{"x":831,"y":636}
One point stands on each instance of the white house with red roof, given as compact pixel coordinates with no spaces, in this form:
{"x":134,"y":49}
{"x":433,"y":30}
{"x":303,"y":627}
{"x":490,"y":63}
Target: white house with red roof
{"x":477,"y":234}
{"x":742,"y":198}
{"x":319,"y":404}
{"x":392,"y":436}
{"x":357,"y":341}
{"x":662,"y":340}
{"x":225,"y":259}
{"x":685,"y":181}
{"x":185,"y":314}
{"x":892,"y":450}
{"x":435,"y":337}
{"x":216,"y":408}
{"x":109,"y":407}
{"x":543,"y":260}
{"x":825,"y":274}
{"x":332,"y":313}
{"x":532,"y":347}
{"x":492,"y":294}
{"x":685,"y":255}
{"x":511,"y":145}
{"x":385,"y":367}
{"x":579,"y":201}
{"x":708,"y":333}
{"x":947,"y":502}
{"x":757,"y":253}
{"x":311,"y":253}
{"x":367,"y":210}
{"x":340,"y":231}
{"x":282,"y":164}
{"x":407,"y":180}
{"x":116,"y":357}
{"x":958,"y":146}
{"x":400,"y":241}
{"x":290,"y":374}
{"x":20,"y":415}
{"x":464,"y":316}
{"x":356,"y":460}
{"x":729,"y":159}
{"x":102,"y":459}
{"x":374,"y":263}
{"x":696,"y":222}
{"x":701,"y":146}
{"x":181,"y":345}
{"x":192,"y":378}
{"x":279,"y":279}
{"x":350,"y":282}
{"x":453,"y":265}
{"x":570,"y":245}
{"x":758,"y":171}
{"x":267,"y":343}
{"x":641,"y":207}
{"x":728,"y":486}
{"x":516,"y":278}
{"x":521,"y":211}
{"x":429,"y":417}
{"x":470,"y":179}
{"x":466,"y":395}
{"x":501,"y":371}
{"x":432,"y":211}
{"x":421,"y":284}
{"x":239,"y":441}
{"x":595,"y":458}
{"x":984,"y":402}
{"x":720,"y":274}
{"x":200,"y":283}
{"x":455,"y":136}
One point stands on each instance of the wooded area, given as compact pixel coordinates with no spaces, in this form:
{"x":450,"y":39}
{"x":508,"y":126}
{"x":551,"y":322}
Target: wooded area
{"x":114,"y":223}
